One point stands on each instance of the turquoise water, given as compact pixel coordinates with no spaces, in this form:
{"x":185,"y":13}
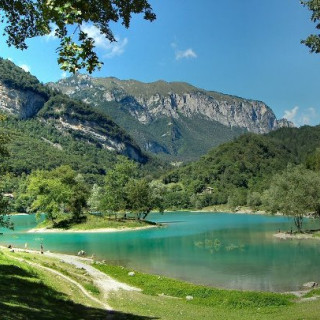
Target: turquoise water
{"x":221,"y":250}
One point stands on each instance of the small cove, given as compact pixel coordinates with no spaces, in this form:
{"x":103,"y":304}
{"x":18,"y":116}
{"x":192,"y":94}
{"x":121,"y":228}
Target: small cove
{"x":234,"y":251}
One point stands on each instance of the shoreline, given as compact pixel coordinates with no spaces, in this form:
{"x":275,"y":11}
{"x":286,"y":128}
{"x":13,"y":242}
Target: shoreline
{"x":241,"y":210}
{"x":98,"y":230}
{"x":299,"y":236}
{"x":72,"y":258}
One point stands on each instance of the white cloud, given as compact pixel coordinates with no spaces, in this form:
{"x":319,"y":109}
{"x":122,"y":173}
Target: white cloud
{"x":300,"y":117}
{"x":51,"y":35}
{"x":111,"y":49}
{"x":186,"y":54}
{"x":25,"y":67}
{"x":291,"y":114}
{"x":183,"y":54}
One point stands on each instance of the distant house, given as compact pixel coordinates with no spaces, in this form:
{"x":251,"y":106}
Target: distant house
{"x":8,"y":195}
{"x":207,"y":190}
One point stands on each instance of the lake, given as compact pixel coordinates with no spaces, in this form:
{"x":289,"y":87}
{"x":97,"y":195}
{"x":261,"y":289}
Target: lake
{"x":223,"y":250}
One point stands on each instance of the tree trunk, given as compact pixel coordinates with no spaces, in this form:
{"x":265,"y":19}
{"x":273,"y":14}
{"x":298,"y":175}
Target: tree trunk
{"x":298,"y":220}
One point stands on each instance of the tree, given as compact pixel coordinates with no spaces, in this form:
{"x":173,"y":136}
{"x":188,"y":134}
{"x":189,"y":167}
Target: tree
{"x":313,"y":41}
{"x":313,"y":160}
{"x":26,"y":19}
{"x":4,"y":220}
{"x":57,"y":192}
{"x":139,"y":200}
{"x":158,"y":191}
{"x":115,"y":198}
{"x":295,"y":192}
{"x":94,"y":201}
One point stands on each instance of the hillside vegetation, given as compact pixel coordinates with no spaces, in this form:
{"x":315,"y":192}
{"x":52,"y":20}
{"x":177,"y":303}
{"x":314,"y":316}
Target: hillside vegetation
{"x":237,"y":173}
{"x":70,"y":117}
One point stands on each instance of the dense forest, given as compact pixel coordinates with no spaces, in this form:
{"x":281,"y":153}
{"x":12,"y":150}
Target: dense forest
{"x":238,"y":173}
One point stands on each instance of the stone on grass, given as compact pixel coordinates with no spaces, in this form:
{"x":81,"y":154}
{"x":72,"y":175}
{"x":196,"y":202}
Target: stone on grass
{"x":310,"y":284}
{"x":131,"y":274}
{"x":188,"y":298}
{"x":81,"y":253}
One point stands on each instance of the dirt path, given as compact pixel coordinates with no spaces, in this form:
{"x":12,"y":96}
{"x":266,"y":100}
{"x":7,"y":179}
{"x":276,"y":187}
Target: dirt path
{"x":105,"y":283}
{"x":101,"y":280}
{"x":68,"y":279}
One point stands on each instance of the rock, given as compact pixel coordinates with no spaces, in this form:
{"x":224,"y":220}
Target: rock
{"x":189,"y":298}
{"x":11,"y":250}
{"x":310,"y":284}
{"x":81,"y":253}
{"x":20,"y":102}
{"x":131,"y":274}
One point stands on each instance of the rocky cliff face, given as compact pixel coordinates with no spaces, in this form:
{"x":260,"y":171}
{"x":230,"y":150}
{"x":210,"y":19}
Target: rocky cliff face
{"x":174,"y":120}
{"x":149,"y":102}
{"x":21,"y":103}
{"x":67,"y":121}
{"x":24,"y":97}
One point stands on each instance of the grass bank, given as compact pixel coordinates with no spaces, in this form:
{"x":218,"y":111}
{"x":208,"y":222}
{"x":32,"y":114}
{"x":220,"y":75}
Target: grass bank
{"x":165,"y":298}
{"x":201,"y":295}
{"x":92,"y":223}
{"x":30,"y":292}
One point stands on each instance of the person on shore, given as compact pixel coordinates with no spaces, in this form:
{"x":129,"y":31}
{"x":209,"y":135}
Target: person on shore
{"x":41,"y":248}
{"x":26,"y":247}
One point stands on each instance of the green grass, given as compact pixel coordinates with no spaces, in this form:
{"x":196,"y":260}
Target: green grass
{"x":92,"y":288}
{"x":27,"y":293}
{"x":94,"y":222}
{"x":312,"y":293}
{"x":178,"y":309}
{"x":205,"y":296}
{"x":31,"y":293}
{"x":208,"y":303}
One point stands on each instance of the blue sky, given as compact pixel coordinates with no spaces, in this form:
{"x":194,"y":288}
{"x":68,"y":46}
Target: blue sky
{"x":249,"y":48}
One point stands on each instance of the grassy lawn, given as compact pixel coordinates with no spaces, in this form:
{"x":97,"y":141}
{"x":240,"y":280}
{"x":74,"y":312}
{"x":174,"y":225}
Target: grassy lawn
{"x":28,"y":292}
{"x":202,"y":295}
{"x":164,"y":298}
{"x":94,"y":222}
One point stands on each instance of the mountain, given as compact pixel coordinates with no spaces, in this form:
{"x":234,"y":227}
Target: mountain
{"x":174,"y":120}
{"x":23,"y":97}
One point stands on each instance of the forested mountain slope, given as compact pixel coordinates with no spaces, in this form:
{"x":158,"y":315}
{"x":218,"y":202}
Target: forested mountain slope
{"x":31,"y":104}
{"x":235,"y":170}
